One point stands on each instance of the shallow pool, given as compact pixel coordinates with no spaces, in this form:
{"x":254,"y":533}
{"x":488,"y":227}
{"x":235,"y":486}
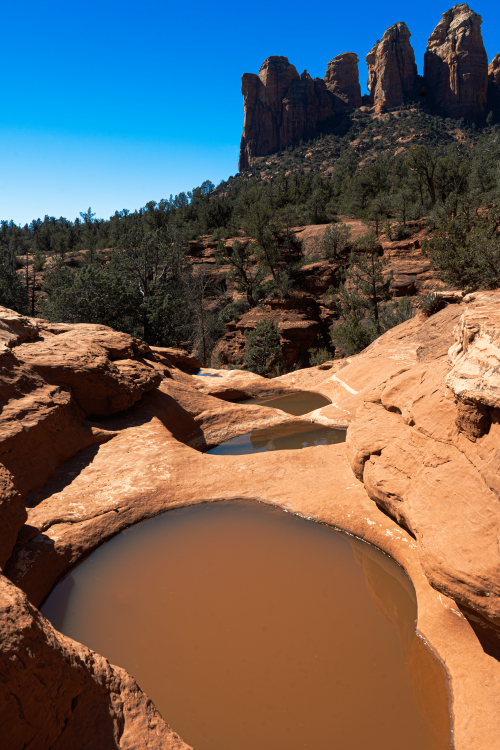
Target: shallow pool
{"x":293,"y":403}
{"x":253,"y":628}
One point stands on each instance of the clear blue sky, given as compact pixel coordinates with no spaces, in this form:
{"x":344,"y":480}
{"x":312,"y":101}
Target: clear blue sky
{"x":111,"y":104}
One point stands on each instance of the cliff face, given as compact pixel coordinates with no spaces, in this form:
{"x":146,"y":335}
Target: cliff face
{"x":455,"y":64}
{"x":392,"y":71}
{"x":342,"y":78}
{"x":494,"y":71}
{"x":280,"y":108}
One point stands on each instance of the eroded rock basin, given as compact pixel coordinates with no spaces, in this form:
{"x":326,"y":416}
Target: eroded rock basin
{"x":288,"y":436}
{"x":297,"y":404}
{"x":250,"y":627}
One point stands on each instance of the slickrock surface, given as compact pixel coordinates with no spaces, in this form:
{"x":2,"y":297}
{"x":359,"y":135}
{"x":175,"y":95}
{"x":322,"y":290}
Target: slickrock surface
{"x":417,"y":478}
{"x":392,"y":71}
{"x":456,"y":65}
{"x":342,"y":78}
{"x":280,"y":108}
{"x":56,"y":693}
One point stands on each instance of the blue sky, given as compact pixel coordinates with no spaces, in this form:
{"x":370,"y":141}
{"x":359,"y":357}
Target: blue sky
{"x":111,"y":104}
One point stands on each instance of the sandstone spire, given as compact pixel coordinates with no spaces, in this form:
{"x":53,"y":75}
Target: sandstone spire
{"x":392,"y":72}
{"x":494,"y":70}
{"x":342,"y":78}
{"x":455,"y":64}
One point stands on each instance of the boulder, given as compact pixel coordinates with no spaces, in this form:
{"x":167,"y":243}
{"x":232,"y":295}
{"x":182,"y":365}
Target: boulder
{"x":392,"y":71}
{"x":456,"y":65}
{"x":103,"y":369}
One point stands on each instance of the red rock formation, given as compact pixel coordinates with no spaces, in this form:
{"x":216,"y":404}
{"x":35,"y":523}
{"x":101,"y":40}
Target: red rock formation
{"x":280,"y":108}
{"x":59,"y":694}
{"x":456,"y":65}
{"x":342,"y":78}
{"x":494,"y":70}
{"x":392,"y":72}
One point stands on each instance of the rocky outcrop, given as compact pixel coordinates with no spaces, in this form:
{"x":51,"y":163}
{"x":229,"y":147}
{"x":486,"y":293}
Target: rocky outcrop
{"x":456,"y":65}
{"x":281,"y":108}
{"x":421,"y":500}
{"x":494,"y":71}
{"x":392,"y":71}
{"x":58,"y":694}
{"x":342,"y":78}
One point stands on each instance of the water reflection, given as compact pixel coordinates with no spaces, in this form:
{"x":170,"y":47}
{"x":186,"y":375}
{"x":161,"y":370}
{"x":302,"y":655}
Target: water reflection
{"x":293,"y":403}
{"x":281,"y":438}
{"x":251,"y":628}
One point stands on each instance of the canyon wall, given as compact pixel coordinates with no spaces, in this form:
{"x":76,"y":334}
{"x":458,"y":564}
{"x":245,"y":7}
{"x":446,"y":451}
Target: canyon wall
{"x":281,"y":107}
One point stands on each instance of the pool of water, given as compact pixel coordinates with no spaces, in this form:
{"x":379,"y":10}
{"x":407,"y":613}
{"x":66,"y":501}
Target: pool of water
{"x":293,"y":403}
{"x":252,"y":628}
{"x":281,"y":438}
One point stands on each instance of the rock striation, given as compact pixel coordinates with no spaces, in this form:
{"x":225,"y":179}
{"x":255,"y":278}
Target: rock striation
{"x":342,"y":78}
{"x":456,"y":65}
{"x":392,"y":71}
{"x":280,"y":108}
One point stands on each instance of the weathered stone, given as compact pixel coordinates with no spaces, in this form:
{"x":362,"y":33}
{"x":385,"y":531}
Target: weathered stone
{"x":342,"y":78}
{"x":280,"y":108}
{"x":58,"y":694}
{"x":456,"y":65}
{"x":494,"y":70}
{"x":392,"y":71}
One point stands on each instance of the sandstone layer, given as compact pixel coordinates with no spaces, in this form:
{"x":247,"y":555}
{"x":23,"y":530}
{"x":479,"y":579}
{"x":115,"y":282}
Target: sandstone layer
{"x":342,"y":78}
{"x":416,"y":478}
{"x":456,"y":65}
{"x":392,"y":71}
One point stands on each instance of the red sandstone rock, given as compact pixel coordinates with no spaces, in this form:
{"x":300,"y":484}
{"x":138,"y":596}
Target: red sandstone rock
{"x":94,"y":362}
{"x":392,"y":72}
{"x":424,"y":458}
{"x":280,"y":108}
{"x":57,"y":694}
{"x":342,"y":78}
{"x":456,"y":65}
{"x":176,"y":357}
{"x":494,"y":70}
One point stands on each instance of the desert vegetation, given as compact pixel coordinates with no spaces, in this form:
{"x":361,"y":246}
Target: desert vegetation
{"x":135,"y":271}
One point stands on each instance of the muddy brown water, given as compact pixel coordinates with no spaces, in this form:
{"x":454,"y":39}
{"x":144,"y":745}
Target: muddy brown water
{"x":253,"y":628}
{"x":289,"y":436}
{"x":293,"y":403}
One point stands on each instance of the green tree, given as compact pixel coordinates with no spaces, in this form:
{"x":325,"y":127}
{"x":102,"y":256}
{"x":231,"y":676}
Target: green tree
{"x":244,"y":270}
{"x":13,"y":293}
{"x":466,"y":251}
{"x":336,"y":240}
{"x":263,"y":349}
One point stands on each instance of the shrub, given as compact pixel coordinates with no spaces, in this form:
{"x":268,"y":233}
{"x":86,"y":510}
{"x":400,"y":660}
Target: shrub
{"x":431,"y":304}
{"x":318,"y":356}
{"x":336,"y":240}
{"x":263,"y":347}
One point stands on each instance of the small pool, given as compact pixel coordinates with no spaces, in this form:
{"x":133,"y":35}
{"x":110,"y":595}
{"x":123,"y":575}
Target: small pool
{"x":292,"y":403}
{"x":253,"y":629}
{"x":285,"y":437}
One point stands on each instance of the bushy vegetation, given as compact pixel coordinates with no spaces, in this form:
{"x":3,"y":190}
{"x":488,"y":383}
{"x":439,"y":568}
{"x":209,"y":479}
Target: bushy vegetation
{"x":134,"y":270}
